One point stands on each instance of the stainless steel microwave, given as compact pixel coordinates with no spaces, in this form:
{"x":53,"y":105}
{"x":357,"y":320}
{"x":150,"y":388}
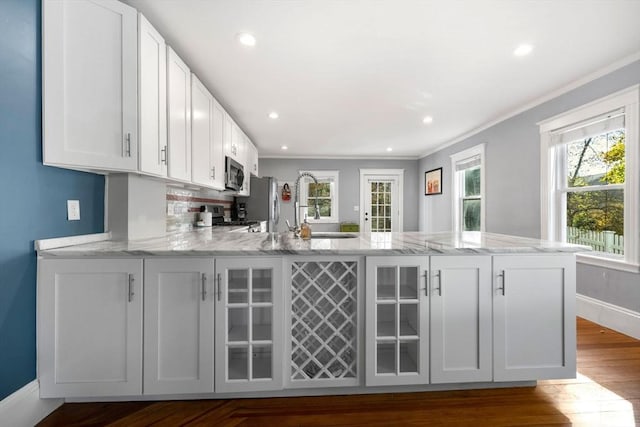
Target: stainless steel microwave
{"x":234,"y":174}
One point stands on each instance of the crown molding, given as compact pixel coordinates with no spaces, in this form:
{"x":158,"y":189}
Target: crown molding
{"x":541,"y":100}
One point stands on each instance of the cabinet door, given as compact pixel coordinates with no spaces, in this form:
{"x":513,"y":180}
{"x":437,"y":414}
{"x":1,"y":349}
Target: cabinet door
{"x":152,"y":77}
{"x":202,"y":128}
{"x":397,"y":332}
{"x":90,"y":102}
{"x":90,"y":327}
{"x":249,"y":324}
{"x":534,"y":317}
{"x":206,"y":137}
{"x":254,"y":158}
{"x":178,"y":326}
{"x":227,"y":135}
{"x":245,"y":159}
{"x":236,"y":142}
{"x":217,"y":152}
{"x":460,"y":319}
{"x":179,"y":117}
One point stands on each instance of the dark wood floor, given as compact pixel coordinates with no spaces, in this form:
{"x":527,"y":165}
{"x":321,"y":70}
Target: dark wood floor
{"x":605,"y":393}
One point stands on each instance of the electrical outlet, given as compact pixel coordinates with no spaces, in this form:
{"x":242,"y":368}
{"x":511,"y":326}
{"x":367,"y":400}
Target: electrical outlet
{"x":356,"y":208}
{"x":73,"y":210}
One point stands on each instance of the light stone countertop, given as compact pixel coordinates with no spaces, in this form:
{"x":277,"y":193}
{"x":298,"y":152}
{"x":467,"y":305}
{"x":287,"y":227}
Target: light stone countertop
{"x":205,"y":242}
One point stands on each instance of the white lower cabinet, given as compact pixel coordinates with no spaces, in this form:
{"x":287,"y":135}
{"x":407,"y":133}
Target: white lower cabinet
{"x":178,"y":325}
{"x":460,"y":319}
{"x":249,"y":328}
{"x":534,"y":317}
{"x":428,"y":319}
{"x":90,"y":327}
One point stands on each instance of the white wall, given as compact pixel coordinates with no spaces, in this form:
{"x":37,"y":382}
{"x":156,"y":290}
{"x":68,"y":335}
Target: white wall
{"x":286,"y":170}
{"x":513,"y":182}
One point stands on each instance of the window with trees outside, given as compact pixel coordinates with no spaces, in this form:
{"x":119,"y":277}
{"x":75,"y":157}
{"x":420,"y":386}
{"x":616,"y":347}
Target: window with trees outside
{"x":592,"y":189}
{"x":325,"y":194}
{"x":468,"y":189}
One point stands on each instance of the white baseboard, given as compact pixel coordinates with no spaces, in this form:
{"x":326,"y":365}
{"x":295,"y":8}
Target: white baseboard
{"x":614,"y":317}
{"x":25,"y":408}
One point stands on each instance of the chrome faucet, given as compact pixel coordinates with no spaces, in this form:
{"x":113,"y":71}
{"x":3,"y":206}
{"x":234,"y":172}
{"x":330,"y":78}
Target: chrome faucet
{"x":296,"y":204}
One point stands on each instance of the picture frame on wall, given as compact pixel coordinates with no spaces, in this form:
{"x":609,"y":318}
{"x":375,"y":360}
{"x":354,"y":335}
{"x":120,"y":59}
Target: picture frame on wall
{"x":433,"y":182}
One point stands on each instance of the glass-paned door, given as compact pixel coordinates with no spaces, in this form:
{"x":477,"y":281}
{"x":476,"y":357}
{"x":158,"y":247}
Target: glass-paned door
{"x":248,"y":353}
{"x":381,"y":210}
{"x":397,"y":332}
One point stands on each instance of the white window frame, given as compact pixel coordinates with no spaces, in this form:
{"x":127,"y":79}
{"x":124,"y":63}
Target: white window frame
{"x":457,"y":185}
{"x":333,"y":177}
{"x":550,"y":203}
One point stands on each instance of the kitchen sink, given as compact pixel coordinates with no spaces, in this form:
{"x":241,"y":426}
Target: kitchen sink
{"x":333,"y":235}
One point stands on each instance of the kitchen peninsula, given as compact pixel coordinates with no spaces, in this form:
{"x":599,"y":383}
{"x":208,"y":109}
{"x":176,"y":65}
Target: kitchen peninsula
{"x":204,"y":314}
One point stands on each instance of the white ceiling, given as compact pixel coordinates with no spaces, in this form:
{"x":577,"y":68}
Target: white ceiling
{"x":350,"y":78}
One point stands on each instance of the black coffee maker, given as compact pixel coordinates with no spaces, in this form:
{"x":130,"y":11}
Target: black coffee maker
{"x":240,"y":211}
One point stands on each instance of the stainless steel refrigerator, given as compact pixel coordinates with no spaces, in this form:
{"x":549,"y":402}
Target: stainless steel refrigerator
{"x":263,"y":204}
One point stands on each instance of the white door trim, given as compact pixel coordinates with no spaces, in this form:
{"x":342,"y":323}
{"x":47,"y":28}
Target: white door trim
{"x":394,"y":173}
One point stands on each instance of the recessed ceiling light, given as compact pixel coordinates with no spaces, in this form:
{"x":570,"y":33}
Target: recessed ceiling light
{"x":273,"y":115}
{"x":523,"y":49}
{"x":427,"y":120}
{"x":389,"y":149}
{"x":247,"y":39}
{"x":284,"y":147}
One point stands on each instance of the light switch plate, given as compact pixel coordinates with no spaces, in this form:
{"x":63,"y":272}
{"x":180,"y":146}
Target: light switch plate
{"x":73,"y":210}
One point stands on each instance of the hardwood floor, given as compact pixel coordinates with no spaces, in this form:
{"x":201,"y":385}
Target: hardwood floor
{"x":605,"y":393}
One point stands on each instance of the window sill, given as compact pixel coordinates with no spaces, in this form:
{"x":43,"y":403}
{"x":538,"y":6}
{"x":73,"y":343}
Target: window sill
{"x":606,"y":262}
{"x":322,"y":221}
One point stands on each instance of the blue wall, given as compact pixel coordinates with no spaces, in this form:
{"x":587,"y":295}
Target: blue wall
{"x":32,"y":196}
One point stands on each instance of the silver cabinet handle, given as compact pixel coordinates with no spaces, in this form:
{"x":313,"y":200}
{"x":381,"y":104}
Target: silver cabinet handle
{"x":426,"y":283}
{"x":219,"y":285}
{"x":439,"y":276}
{"x":204,"y":286}
{"x":163,"y":155}
{"x":131,"y":293}
{"x":501,"y":276}
{"x":128,"y":142}
{"x":213,"y":172}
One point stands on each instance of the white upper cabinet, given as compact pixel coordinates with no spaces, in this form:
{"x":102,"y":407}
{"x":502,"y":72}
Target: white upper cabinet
{"x":90,"y":105}
{"x":179,"y":117}
{"x":206,"y":137}
{"x":232,"y":139}
{"x":253,"y":158}
{"x":152,"y":78}
{"x":116,"y":98}
{"x":245,"y":158}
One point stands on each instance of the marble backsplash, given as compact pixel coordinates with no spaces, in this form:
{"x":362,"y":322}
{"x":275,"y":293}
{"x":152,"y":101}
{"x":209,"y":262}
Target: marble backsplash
{"x":183,"y":206}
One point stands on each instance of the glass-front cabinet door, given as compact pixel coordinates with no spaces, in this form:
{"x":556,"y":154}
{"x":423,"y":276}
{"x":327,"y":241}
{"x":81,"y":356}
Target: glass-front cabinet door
{"x":248,"y":324}
{"x":397,"y":335}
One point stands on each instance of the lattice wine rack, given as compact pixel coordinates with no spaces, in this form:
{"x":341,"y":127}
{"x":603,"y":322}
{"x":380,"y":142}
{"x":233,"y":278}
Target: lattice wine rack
{"x":323,"y":320}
